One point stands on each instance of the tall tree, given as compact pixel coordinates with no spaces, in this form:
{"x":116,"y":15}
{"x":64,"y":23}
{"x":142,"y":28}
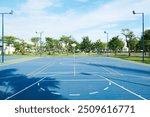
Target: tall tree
{"x":35,"y":40}
{"x":147,"y":41}
{"x":86,"y":44}
{"x":116,"y":44}
{"x":50,"y":44}
{"x":9,"y":40}
{"x":67,"y":41}
{"x":99,"y":46}
{"x":130,"y":37}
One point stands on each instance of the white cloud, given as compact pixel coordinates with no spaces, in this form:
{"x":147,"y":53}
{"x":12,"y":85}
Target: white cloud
{"x":73,"y":23}
{"x":33,"y":7}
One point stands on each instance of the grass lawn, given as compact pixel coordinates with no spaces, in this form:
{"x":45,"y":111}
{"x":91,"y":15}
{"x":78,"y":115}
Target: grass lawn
{"x":134,"y":57}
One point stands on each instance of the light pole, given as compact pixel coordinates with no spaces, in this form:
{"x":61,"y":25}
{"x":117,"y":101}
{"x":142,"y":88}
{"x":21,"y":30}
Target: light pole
{"x":107,"y":42}
{"x":3,"y":54}
{"x":40,"y":42}
{"x":143,"y":48}
{"x":74,"y":67}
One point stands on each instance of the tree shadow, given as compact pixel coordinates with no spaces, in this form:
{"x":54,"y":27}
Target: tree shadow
{"x":21,"y":87}
{"x":119,"y":68}
{"x":125,"y":69}
{"x":131,"y":82}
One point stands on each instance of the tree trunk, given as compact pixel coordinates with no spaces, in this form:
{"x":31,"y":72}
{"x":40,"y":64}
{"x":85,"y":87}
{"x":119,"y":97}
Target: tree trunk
{"x":129,"y":51}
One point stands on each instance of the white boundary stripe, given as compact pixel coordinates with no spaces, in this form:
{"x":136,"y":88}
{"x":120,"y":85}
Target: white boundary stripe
{"x":110,"y":70}
{"x":106,"y":88}
{"x":45,"y":66}
{"x":137,"y":95}
{"x":26,"y":88}
{"x":92,"y":93}
{"x":7,"y":77}
{"x":33,"y":73}
{"x":78,"y":80}
{"x":42,"y":69}
{"x":55,"y":93}
{"x":74,"y":94}
{"x":18,"y":61}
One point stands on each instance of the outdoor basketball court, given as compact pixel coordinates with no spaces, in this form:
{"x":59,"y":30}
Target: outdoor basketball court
{"x":82,"y":78}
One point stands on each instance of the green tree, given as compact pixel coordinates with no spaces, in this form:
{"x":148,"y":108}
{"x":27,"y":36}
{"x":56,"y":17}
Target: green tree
{"x":99,"y":46}
{"x":147,"y":41}
{"x":17,"y":46}
{"x":86,"y":44}
{"x":131,"y":40}
{"x":50,"y":45}
{"x":9,"y":40}
{"x":116,"y":44}
{"x":35,"y":40}
{"x":23,"y":47}
{"x":133,"y":43}
{"x":67,"y":41}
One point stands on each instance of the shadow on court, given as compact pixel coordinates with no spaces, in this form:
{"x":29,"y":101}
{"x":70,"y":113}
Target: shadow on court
{"x":121,"y":68}
{"x":131,"y":82}
{"x":21,"y":87}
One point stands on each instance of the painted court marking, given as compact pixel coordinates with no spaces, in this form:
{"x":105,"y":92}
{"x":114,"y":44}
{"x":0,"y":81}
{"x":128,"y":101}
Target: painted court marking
{"x":106,"y":88}
{"x":122,"y":87}
{"x":92,"y":93}
{"x":74,"y":94}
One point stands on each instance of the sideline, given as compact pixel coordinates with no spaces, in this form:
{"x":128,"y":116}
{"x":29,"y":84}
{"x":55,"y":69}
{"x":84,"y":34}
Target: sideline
{"x":10,"y":62}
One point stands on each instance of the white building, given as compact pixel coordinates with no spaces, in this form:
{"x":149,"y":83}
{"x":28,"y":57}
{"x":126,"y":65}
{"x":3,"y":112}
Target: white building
{"x":7,"y":49}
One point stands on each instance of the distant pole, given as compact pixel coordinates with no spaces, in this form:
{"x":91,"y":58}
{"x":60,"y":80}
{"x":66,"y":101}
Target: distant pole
{"x":143,"y":46}
{"x":3,"y":54}
{"x":40,"y":42}
{"x":74,"y":66}
{"x":107,"y":42}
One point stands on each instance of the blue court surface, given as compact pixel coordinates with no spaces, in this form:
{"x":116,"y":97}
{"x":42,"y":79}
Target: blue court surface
{"x":82,"y":78}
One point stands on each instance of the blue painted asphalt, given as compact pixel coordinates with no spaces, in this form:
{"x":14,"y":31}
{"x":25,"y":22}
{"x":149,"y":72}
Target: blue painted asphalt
{"x":95,"y":78}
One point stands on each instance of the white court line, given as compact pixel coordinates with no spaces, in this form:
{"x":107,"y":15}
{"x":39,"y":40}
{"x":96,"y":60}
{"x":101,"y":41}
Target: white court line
{"x":33,"y":73}
{"x":42,"y":89}
{"x":56,"y":93}
{"x":110,"y":70}
{"x":74,"y":94}
{"x":46,"y":66}
{"x":7,"y":77}
{"x":137,"y":95}
{"x":9,"y":62}
{"x":114,"y":71}
{"x":92,"y":93}
{"x":77,"y":80}
{"x":106,"y":88}
{"x":26,"y":88}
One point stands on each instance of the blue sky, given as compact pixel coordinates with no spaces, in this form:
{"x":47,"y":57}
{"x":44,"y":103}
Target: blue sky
{"x":77,"y":18}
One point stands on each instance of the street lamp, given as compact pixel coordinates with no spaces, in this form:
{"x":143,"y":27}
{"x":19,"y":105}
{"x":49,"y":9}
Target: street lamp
{"x":74,"y":68}
{"x":4,"y":13}
{"x":143,"y":48}
{"x":107,"y":42}
{"x":40,"y":41}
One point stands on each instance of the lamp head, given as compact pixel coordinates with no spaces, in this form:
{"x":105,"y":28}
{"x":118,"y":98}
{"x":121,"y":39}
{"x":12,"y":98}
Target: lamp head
{"x":133,"y":12}
{"x":11,"y":12}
